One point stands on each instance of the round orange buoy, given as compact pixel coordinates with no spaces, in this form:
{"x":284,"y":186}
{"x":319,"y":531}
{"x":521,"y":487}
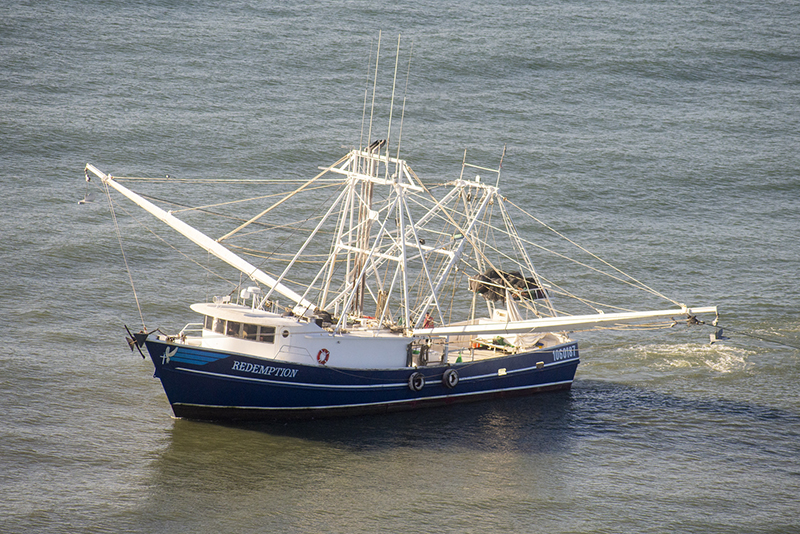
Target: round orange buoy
{"x":322,"y":356}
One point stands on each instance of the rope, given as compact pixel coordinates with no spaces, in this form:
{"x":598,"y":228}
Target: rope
{"x":726,"y":330}
{"x":218,"y":180}
{"x":238,"y":201}
{"x":762,"y":338}
{"x":176,"y":249}
{"x":559,"y":234}
{"x":124,"y":258}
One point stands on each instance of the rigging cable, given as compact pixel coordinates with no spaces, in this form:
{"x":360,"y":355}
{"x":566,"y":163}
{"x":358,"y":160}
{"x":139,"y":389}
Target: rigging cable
{"x":176,"y":249}
{"x":761,"y":338}
{"x":638,"y":283}
{"x":124,"y":258}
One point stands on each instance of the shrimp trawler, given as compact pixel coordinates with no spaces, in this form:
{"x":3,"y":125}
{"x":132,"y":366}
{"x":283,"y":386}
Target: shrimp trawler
{"x":396,"y":295}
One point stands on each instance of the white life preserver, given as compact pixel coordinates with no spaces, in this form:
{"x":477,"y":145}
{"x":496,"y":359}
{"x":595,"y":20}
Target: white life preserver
{"x":322,"y":356}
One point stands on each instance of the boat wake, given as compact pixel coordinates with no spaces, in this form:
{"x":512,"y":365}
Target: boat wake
{"x":721,"y":359}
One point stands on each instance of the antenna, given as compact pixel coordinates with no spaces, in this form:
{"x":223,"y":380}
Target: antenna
{"x":405,"y":92}
{"x":374,"y":85}
{"x":366,"y":92}
{"x":500,"y":168}
{"x":391,"y":105}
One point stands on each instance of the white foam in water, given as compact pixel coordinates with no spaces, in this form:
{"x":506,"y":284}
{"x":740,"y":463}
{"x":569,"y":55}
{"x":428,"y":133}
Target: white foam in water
{"x":719,"y":358}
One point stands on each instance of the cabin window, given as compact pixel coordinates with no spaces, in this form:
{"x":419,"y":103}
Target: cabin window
{"x":253,"y":332}
{"x":233,"y":329}
{"x":267,"y":334}
{"x":219,"y":325}
{"x":250,"y":331}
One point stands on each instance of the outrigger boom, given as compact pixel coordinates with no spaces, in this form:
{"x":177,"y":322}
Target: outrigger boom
{"x":303,"y":306}
{"x":568,"y":322}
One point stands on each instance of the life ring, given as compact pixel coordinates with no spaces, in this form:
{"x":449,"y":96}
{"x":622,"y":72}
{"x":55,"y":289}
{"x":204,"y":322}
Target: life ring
{"x":322,"y":356}
{"x":416,"y":381}
{"x":450,"y":378}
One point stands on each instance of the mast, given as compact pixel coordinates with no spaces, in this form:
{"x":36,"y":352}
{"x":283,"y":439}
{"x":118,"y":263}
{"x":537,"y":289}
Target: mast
{"x":456,"y":255}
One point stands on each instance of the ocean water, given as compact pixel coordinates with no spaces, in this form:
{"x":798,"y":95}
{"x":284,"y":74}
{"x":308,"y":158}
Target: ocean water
{"x":661,"y":135}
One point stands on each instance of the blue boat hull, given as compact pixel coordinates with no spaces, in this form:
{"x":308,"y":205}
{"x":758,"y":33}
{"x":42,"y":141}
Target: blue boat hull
{"x":216,"y":385}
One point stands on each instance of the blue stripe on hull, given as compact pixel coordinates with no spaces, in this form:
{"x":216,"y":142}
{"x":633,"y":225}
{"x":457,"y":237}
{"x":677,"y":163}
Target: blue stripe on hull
{"x":213,"y":385}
